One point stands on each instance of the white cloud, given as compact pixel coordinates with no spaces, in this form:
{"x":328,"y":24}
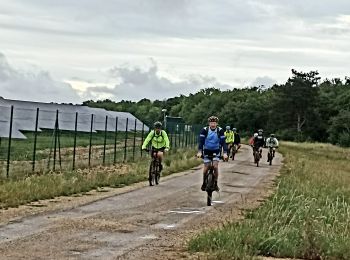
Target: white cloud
{"x":136,"y":83}
{"x":21,"y":85}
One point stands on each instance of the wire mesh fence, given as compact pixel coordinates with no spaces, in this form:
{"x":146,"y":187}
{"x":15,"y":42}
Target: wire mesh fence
{"x":39,"y":141}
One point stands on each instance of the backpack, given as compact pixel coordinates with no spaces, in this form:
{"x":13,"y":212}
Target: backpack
{"x":154,"y":134}
{"x":218,"y":129}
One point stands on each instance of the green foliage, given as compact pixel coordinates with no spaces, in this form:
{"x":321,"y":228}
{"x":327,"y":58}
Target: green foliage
{"x":304,"y":108}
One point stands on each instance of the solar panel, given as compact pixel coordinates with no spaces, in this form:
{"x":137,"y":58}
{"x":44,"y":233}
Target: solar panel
{"x":24,"y":118}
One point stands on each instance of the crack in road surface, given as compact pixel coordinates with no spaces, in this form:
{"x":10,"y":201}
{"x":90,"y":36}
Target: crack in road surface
{"x":119,"y":226}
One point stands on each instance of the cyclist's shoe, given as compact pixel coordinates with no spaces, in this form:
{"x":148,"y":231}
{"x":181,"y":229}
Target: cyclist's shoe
{"x":268,"y":159}
{"x":216,"y":187}
{"x":204,"y":186}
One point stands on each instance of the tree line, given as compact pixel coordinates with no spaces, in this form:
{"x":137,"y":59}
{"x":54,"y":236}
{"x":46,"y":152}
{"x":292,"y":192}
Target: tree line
{"x":305,"y":108}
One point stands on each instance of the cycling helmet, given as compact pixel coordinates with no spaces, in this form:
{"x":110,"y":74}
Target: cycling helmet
{"x":213,"y":119}
{"x":157,"y":124}
{"x":234,"y":129}
{"x":256,"y":134}
{"x":228,"y":127}
{"x":272,"y":135}
{"x":260,"y":130}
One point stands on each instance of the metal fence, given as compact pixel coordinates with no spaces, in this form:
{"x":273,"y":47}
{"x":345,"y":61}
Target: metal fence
{"x":69,"y":145}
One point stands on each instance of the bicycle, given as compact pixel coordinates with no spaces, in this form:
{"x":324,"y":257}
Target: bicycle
{"x":270,"y":155}
{"x":257,"y":156}
{"x":154,"y":168}
{"x":210,"y":180}
{"x":234,"y":151}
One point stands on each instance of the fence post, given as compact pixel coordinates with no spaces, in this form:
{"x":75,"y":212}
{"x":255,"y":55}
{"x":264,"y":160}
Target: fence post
{"x":134,"y":144}
{"x":183,"y":136}
{"x":175,"y":131}
{"x":59,"y":144}
{"x":90,"y":146}
{"x":115,"y":141}
{"x":9,"y":144}
{"x":55,"y":143}
{"x":126,"y":138}
{"x":171,"y":138}
{"x":105,"y":141}
{"x":142,"y":133}
{"x":75,"y":139}
{"x":35,"y":137}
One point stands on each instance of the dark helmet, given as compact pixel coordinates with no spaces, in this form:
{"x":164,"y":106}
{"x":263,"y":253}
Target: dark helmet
{"x":157,"y":124}
{"x":213,"y":119}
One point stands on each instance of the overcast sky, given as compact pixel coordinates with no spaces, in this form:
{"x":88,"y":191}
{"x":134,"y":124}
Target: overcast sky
{"x":71,"y":51}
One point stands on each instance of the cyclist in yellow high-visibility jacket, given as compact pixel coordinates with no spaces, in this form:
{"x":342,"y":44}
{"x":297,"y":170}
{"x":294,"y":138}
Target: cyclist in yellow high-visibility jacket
{"x":159,"y":141}
{"x":229,"y":139}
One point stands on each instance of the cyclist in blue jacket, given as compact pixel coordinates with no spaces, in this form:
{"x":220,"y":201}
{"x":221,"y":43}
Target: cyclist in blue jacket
{"x":211,"y":140}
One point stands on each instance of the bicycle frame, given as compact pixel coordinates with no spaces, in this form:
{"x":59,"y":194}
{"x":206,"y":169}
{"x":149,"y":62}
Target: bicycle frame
{"x":210,"y":178}
{"x":154,"y":168}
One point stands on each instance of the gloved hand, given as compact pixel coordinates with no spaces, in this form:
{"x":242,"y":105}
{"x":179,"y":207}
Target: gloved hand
{"x":199,"y":155}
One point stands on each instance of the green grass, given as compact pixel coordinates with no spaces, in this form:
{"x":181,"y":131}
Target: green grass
{"x":307,"y":217}
{"x":23,"y":149}
{"x":47,"y":186}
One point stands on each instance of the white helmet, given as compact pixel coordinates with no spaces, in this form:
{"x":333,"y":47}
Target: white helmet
{"x":256,"y":134}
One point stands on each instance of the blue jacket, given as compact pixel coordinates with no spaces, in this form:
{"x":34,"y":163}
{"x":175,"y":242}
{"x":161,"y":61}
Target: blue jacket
{"x":212,"y":139}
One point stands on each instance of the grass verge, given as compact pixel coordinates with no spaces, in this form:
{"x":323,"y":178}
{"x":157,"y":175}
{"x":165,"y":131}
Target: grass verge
{"x":308,"y":216}
{"x":47,"y":186}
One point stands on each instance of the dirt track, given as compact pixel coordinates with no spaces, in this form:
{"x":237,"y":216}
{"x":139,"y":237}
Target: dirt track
{"x":147,"y":222}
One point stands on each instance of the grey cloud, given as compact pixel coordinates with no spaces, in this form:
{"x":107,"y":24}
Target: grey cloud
{"x":185,"y":18}
{"x":16,"y":84}
{"x":136,"y":84}
{"x":263,"y":81}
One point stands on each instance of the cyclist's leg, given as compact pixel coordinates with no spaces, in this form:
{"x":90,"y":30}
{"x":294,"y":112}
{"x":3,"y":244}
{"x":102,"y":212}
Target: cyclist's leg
{"x":260,"y":151}
{"x":160,"y":156}
{"x":205,"y":170}
{"x":216,"y":171}
{"x":229,"y":146}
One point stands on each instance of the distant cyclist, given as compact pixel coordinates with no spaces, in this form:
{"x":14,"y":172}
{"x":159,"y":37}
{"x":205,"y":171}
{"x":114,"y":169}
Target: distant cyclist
{"x":159,"y":141}
{"x":229,"y":135}
{"x":236,"y":139}
{"x":259,"y":142}
{"x":272,"y":142}
{"x":211,"y":139}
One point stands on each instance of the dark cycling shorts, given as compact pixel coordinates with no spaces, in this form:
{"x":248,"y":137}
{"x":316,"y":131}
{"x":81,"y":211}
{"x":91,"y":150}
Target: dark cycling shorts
{"x":158,"y":149}
{"x":208,"y":153}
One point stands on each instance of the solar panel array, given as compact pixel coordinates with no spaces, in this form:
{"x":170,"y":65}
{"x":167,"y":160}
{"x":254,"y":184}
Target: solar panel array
{"x":25,"y":112}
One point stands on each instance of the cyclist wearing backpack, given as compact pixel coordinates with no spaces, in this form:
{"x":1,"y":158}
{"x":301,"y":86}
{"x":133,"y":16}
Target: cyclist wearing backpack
{"x":159,"y":141}
{"x":211,"y":139}
{"x":236,"y":138}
